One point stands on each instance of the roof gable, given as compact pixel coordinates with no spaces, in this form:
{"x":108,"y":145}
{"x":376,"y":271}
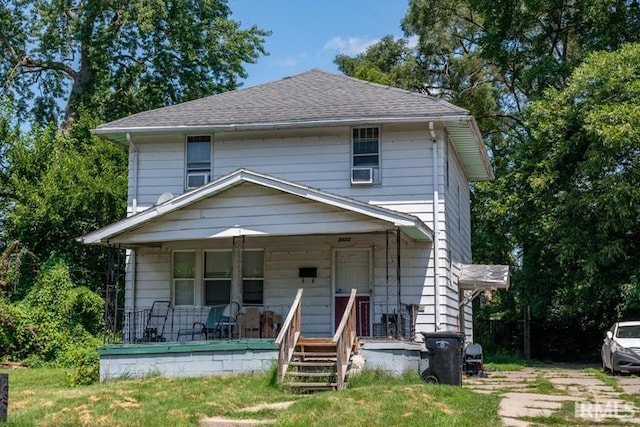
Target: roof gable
{"x":189,"y":221}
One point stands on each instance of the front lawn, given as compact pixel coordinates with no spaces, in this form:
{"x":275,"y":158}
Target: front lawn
{"x":40,"y":397}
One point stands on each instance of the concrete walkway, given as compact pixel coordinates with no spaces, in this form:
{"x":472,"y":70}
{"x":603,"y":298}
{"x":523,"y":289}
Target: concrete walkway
{"x":572,"y":394}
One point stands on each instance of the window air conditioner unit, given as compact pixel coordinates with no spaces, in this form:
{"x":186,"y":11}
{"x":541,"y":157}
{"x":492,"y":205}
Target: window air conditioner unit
{"x":362,"y":175}
{"x":196,"y":179}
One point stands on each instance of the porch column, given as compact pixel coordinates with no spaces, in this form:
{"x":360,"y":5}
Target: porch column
{"x":237,"y":250}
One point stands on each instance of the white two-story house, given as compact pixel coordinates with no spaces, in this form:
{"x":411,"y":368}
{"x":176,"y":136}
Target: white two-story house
{"x":316,"y":181}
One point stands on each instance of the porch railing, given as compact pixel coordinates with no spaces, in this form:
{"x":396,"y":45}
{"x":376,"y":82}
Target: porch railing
{"x":182,"y":318}
{"x":345,"y":339}
{"x":289,"y":335}
{"x":388,"y":322}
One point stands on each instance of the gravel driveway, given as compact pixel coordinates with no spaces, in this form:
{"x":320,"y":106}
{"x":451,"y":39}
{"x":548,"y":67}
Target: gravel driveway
{"x":562,"y":396}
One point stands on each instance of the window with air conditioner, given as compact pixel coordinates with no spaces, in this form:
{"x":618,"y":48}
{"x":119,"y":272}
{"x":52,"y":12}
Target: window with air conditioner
{"x":365,"y":166}
{"x":198,"y":167}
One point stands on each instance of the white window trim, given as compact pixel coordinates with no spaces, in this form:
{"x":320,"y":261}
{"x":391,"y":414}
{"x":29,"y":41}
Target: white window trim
{"x":376,"y":178}
{"x":194,"y":279}
{"x":186,"y":161}
{"x":214,"y":279}
{"x":255,"y":278}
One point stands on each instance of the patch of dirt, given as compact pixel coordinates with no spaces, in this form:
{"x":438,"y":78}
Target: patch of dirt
{"x":127,"y":404}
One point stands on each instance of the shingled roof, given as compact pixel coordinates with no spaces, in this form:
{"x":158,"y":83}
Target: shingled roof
{"x":313,"y":98}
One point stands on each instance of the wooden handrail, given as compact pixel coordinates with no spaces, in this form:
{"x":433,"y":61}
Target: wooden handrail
{"x":288,"y":336}
{"x":345,"y":338}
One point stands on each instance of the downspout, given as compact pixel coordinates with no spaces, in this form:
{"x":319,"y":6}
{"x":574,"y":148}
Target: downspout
{"x":436,"y":227}
{"x":134,"y":209}
{"x":398,"y":278}
{"x":134,"y":196}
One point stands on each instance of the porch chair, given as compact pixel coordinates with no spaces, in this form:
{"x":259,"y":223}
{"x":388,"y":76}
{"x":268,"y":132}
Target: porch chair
{"x":229,"y":319}
{"x":204,"y":330}
{"x":156,"y":321}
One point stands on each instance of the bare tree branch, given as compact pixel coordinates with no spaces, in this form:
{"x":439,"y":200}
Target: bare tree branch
{"x":29,"y":62}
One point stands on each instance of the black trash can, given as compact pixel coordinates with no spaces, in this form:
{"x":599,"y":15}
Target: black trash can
{"x":444,"y":354}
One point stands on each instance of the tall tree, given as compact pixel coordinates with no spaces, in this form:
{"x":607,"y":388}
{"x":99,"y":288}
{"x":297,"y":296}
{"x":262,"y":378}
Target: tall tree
{"x":496,"y":57}
{"x":117,"y":57}
{"x":578,"y":205}
{"x":61,"y":187}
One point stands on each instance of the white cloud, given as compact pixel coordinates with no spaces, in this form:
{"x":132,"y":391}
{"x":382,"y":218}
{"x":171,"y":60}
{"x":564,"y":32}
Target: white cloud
{"x":349,"y":46}
{"x":287,"y":62}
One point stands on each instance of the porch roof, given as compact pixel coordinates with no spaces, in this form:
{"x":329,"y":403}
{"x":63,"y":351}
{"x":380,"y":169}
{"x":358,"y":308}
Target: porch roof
{"x":331,"y":214}
{"x":484,"y":277}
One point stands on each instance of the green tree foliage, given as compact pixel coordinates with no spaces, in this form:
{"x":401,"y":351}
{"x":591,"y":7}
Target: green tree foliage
{"x":63,"y":186}
{"x":578,"y":205}
{"x":496,"y":57}
{"x":119,"y":57}
{"x":389,"y":62}
{"x":57,"y":322}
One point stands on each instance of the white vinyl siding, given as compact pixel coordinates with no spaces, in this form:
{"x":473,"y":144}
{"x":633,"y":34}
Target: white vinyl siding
{"x":320,"y":158}
{"x":279,"y":214}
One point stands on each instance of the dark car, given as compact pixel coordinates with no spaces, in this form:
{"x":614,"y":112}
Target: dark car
{"x":621,"y":348}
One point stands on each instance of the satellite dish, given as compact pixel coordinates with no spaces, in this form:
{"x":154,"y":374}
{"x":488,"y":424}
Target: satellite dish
{"x":164,"y":197}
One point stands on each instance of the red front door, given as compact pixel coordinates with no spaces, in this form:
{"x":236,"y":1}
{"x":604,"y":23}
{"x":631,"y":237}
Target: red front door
{"x":362,"y":313}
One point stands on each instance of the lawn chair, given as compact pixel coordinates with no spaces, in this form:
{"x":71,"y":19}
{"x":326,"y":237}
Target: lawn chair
{"x":229,"y":320}
{"x":156,"y":321}
{"x":204,"y":330}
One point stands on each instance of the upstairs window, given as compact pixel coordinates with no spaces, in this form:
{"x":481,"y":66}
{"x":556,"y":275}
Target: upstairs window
{"x":198,"y":169}
{"x":365,"y":167}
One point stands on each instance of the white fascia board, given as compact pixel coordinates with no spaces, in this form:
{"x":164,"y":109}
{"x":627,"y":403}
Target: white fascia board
{"x":114,"y":131}
{"x":141,"y":218}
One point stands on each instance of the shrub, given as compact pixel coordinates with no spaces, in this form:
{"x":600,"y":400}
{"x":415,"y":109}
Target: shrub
{"x":56,"y":323}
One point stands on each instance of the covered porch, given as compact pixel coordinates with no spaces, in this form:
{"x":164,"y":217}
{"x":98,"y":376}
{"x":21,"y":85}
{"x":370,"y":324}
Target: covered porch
{"x":246,"y":242}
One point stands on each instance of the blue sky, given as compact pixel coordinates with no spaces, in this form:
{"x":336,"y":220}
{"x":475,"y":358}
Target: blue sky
{"x":308,"y":34}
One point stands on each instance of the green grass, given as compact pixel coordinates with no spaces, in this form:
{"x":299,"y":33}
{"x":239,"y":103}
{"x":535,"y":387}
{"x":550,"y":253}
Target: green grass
{"x":40,"y":397}
{"x":606,"y":378}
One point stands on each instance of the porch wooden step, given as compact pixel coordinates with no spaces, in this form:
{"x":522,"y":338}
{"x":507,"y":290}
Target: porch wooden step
{"x":316,"y":341}
{"x":311,"y":374}
{"x":313,"y":386}
{"x":315,"y":354}
{"x":314,"y":363}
